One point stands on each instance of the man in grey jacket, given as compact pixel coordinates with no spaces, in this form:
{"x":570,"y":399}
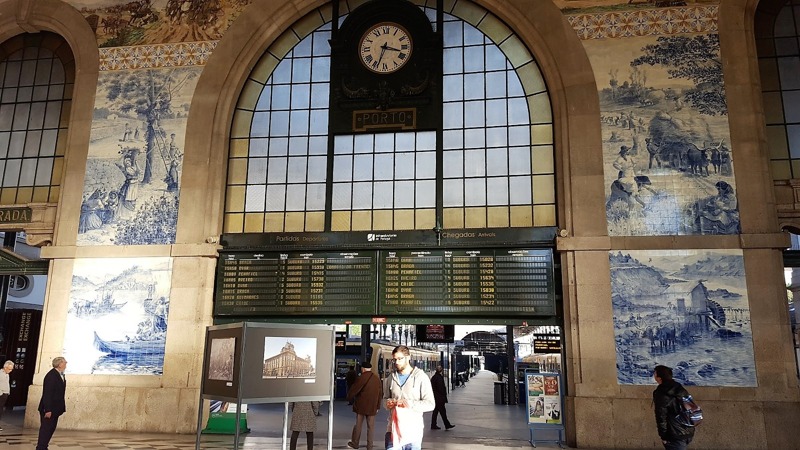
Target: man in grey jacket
{"x":409,"y":396}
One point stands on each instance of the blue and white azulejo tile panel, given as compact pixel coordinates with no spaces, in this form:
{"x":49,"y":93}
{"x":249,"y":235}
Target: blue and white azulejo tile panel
{"x":117,"y":317}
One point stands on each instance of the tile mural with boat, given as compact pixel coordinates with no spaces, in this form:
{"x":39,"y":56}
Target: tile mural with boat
{"x":687,"y":309}
{"x":117,"y":316}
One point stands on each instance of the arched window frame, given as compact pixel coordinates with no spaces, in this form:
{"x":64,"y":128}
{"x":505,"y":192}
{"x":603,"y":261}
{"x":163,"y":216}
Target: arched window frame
{"x":37,"y":75}
{"x":242,"y":194}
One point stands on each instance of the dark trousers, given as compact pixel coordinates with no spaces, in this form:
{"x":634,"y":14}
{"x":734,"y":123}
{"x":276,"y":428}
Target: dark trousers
{"x":3,"y":399}
{"x":440,"y":409}
{"x":680,"y":444}
{"x":46,"y":430}
{"x":309,"y":440}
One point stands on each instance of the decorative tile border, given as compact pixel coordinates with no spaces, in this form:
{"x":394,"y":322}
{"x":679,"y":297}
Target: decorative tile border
{"x":645,"y":22}
{"x":156,"y":56}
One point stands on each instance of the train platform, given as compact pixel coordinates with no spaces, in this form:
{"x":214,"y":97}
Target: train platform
{"x":479,"y":425}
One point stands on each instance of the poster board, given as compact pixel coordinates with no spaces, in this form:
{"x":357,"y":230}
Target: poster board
{"x":544,"y":405}
{"x":253,"y":363}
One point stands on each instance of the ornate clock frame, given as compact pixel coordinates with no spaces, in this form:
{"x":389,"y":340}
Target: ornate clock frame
{"x":370,"y":100}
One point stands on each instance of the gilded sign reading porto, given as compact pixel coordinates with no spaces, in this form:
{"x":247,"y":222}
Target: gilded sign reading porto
{"x":15,"y":215}
{"x":405,"y":119}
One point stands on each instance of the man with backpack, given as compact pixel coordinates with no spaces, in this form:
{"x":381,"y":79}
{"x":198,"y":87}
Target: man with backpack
{"x":667,"y":398}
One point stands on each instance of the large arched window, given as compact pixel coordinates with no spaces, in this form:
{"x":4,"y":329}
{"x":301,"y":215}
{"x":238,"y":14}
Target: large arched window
{"x":497,"y":146}
{"x":779,"y":62}
{"x":37,"y":76}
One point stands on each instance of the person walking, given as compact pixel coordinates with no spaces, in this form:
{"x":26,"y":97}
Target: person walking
{"x":440,"y":396}
{"x":350,"y":379}
{"x":304,"y":418}
{"x":366,"y":395}
{"x":666,"y":400}
{"x":410,"y":395}
{"x":5,"y":386}
{"x":52,"y":405}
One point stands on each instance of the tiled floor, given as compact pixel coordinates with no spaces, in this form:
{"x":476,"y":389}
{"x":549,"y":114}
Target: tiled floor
{"x":480,"y":425}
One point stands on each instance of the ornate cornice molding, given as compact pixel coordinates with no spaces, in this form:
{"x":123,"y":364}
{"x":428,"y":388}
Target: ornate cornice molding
{"x":645,"y":22}
{"x":156,"y":56}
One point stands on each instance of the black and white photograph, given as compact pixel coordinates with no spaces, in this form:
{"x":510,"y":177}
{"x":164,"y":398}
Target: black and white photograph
{"x":220,"y":364}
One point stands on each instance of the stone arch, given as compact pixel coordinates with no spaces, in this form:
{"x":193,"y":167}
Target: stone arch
{"x":29,"y":16}
{"x":541,"y":26}
{"x":792,"y":226}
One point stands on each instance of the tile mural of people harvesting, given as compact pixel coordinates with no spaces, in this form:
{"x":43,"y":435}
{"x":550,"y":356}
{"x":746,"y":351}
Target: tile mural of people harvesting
{"x":670,"y":116}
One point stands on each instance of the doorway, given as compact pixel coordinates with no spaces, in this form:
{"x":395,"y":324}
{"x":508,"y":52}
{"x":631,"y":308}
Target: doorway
{"x":475,"y":362}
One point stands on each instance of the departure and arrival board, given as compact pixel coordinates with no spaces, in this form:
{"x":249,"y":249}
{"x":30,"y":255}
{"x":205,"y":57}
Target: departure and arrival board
{"x":481,"y":282}
{"x":257,"y":284}
{"x":486,"y":282}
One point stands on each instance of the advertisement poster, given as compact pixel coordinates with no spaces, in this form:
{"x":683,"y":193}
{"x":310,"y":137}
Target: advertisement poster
{"x":544,"y":398}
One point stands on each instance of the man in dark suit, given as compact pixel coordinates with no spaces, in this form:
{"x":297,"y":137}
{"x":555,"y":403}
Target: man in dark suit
{"x":52,"y":404}
{"x":440,"y":395}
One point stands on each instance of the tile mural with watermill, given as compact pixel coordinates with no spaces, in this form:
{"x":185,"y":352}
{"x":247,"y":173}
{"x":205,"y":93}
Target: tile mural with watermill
{"x":686,"y":309}
{"x":133,"y":169}
{"x":667,"y":155}
{"x":117,"y":316}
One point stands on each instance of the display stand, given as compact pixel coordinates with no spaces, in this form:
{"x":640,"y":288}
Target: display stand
{"x":544,"y":405}
{"x":223,"y":421}
{"x":257,"y":363}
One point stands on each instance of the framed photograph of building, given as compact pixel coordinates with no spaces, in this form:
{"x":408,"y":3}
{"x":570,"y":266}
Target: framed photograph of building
{"x":290,"y":357}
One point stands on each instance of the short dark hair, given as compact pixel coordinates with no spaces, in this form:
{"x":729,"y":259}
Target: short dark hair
{"x":664,"y":372}
{"x":401,"y":349}
{"x":366,"y":365}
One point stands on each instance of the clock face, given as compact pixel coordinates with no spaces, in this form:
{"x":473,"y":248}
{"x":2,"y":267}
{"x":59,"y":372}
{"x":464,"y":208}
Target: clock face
{"x":385,"y":48}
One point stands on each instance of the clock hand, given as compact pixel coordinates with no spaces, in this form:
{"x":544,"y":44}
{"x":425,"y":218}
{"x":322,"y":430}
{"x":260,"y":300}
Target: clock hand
{"x":392,"y":49}
{"x":383,"y":50}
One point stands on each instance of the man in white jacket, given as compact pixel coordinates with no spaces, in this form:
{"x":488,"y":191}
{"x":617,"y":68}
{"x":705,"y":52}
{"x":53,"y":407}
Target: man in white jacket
{"x":5,"y":386}
{"x":409,"y":396}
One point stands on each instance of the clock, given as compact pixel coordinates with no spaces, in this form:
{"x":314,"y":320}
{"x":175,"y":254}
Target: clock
{"x":386,"y":68}
{"x":385,"y":48}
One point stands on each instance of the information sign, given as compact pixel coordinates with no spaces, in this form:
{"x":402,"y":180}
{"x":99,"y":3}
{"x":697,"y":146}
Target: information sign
{"x":546,"y":346}
{"x":380,"y":283}
{"x":481,"y":282}
{"x":295,"y":283}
